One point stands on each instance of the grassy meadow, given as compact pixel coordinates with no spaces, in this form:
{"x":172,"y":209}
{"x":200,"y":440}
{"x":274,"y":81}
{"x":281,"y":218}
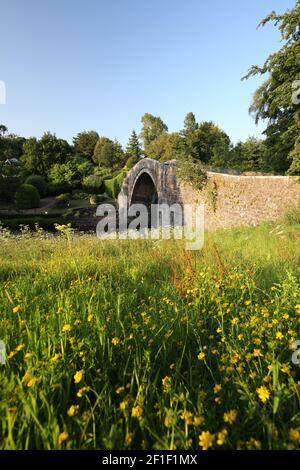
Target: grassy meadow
{"x":143,"y":345}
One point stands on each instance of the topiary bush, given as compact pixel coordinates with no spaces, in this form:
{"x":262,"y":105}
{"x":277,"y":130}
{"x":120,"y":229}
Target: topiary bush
{"x":39,"y":183}
{"x":114,"y":185}
{"x":27,"y":197}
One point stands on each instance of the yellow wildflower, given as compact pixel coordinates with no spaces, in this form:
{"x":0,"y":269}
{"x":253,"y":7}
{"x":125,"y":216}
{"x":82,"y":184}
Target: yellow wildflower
{"x":294,"y":435}
{"x":279,"y":335}
{"x":56,"y":357}
{"x":78,"y":376}
{"x":257,"y":353}
{"x":263,"y":393}
{"x":201,"y":356}
{"x":63,"y":437}
{"x":73,"y":410}
{"x":206,"y":440}
{"x":230,"y":416}
{"x":17,"y":309}
{"x":66,"y":328}
{"x":136,"y":412}
{"x":166,"y":381}
{"x":115,"y":341}
{"x":28,"y":355}
{"x":221,"y":437}
{"x":187,"y":416}
{"x":124,"y":405}
{"x":217,"y":388}
{"x":82,"y":391}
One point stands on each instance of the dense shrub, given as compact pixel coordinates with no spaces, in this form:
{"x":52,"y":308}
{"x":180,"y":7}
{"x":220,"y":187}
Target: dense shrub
{"x":8,"y":187}
{"x":131,"y":162}
{"x":27,"y":197}
{"x":113,"y":186}
{"x":93,"y":184}
{"x":56,"y":189}
{"x":39,"y":183}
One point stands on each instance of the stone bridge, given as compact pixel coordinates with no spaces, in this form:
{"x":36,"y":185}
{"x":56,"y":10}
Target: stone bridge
{"x":151,"y":182}
{"x":229,"y":199}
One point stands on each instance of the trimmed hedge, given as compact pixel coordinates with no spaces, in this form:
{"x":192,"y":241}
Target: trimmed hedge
{"x":39,"y":183}
{"x":27,"y":197}
{"x":114,"y":185}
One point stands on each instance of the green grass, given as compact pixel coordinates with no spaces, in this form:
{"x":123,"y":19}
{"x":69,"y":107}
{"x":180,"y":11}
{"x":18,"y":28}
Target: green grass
{"x":162,"y":342}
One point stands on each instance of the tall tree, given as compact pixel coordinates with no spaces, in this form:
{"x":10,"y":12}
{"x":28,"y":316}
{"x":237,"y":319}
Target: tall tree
{"x":168,"y":146}
{"x":133,"y":148}
{"x":3,"y":129}
{"x":274,"y":101}
{"x":152,"y":128}
{"x":85,"y":143}
{"x":107,"y":153}
{"x":190,"y":136}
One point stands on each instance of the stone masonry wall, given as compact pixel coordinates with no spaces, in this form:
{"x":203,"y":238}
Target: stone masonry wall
{"x":232,"y":200}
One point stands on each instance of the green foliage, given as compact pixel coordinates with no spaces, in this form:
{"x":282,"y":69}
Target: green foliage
{"x":166,"y":147}
{"x":273,"y":99}
{"x":250,"y":155}
{"x":55,"y":189}
{"x":39,"y":155}
{"x":62,"y":200}
{"x":93,"y":184}
{"x":108,"y":154}
{"x":133,"y":148}
{"x":152,"y":128}
{"x":93,"y":310}
{"x":70,"y":173}
{"x":27,"y":197}
{"x":131,"y":162}
{"x":85,"y":143}
{"x":192,"y":172}
{"x":39,"y":183}
{"x":292,"y":217}
{"x":8,"y":187}
{"x":113,"y":186}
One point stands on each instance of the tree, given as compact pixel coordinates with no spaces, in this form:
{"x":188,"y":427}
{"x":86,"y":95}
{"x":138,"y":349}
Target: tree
{"x":133,"y":148}
{"x":152,"y":128}
{"x":107,"y":153}
{"x":85,"y":143}
{"x":210,"y":140}
{"x":39,"y":155}
{"x":3,"y":129}
{"x":276,"y":99}
{"x":71,"y":173}
{"x":190,"y":136}
{"x":249,"y":155}
{"x":166,"y":147}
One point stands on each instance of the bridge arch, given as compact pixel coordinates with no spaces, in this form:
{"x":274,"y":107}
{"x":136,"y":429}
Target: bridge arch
{"x":150,"y":182}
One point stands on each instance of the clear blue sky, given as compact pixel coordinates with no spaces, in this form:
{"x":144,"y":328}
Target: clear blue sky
{"x":73,"y":65}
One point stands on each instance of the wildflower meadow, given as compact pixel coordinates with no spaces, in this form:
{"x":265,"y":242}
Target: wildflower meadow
{"x":144,"y":345}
